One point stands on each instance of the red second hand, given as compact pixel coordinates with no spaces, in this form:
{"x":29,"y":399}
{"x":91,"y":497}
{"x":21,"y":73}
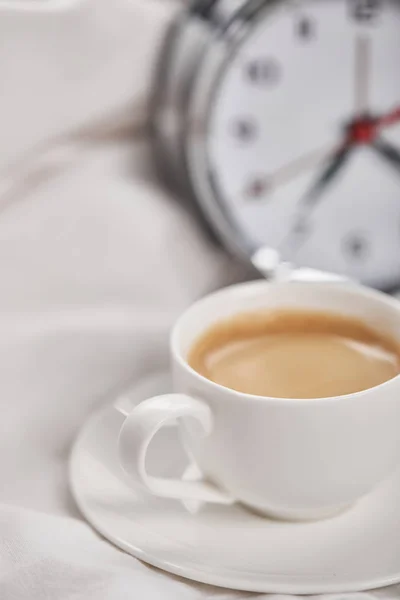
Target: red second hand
{"x":390,"y":119}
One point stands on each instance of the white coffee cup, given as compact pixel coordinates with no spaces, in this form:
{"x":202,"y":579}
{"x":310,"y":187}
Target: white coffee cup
{"x":290,"y":459}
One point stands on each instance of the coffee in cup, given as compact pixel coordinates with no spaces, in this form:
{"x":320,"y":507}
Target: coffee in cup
{"x":295,"y":354}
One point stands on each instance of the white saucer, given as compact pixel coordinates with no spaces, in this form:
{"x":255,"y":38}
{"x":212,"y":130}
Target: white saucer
{"x":229,"y":546}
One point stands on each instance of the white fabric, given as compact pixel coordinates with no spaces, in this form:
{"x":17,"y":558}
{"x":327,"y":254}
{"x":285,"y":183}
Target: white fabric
{"x":96,"y":261}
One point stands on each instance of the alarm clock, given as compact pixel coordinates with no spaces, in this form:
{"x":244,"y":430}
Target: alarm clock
{"x":281,"y":120}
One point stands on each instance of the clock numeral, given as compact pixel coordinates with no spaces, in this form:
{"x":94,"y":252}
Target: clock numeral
{"x":364,"y":11}
{"x":305,"y":29}
{"x":257,"y":188}
{"x":302,"y":228}
{"x":244,"y":130}
{"x":263,"y":71}
{"x":356,"y":246}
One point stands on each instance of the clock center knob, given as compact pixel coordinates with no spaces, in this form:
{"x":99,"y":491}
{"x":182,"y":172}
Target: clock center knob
{"x":362,"y":131}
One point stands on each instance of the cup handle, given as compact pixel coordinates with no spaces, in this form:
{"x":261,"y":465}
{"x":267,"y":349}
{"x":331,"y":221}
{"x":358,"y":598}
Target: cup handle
{"x":139,"y":428}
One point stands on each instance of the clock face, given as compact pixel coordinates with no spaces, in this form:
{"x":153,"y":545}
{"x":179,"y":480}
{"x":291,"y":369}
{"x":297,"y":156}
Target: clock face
{"x":303,"y":138}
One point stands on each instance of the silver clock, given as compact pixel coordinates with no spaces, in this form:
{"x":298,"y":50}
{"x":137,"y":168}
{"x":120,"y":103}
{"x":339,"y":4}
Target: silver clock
{"x":281,"y":118}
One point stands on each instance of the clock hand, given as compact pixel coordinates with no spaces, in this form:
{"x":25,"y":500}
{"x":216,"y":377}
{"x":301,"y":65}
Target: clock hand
{"x":328,"y":174}
{"x":314,"y":195}
{"x":389,"y":152}
{"x":390,"y":119}
{"x":362,"y":131}
{"x":362,"y":74}
{"x":297,"y":166}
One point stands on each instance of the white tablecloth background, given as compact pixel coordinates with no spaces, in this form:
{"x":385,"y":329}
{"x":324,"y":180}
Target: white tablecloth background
{"x":96,"y":262}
